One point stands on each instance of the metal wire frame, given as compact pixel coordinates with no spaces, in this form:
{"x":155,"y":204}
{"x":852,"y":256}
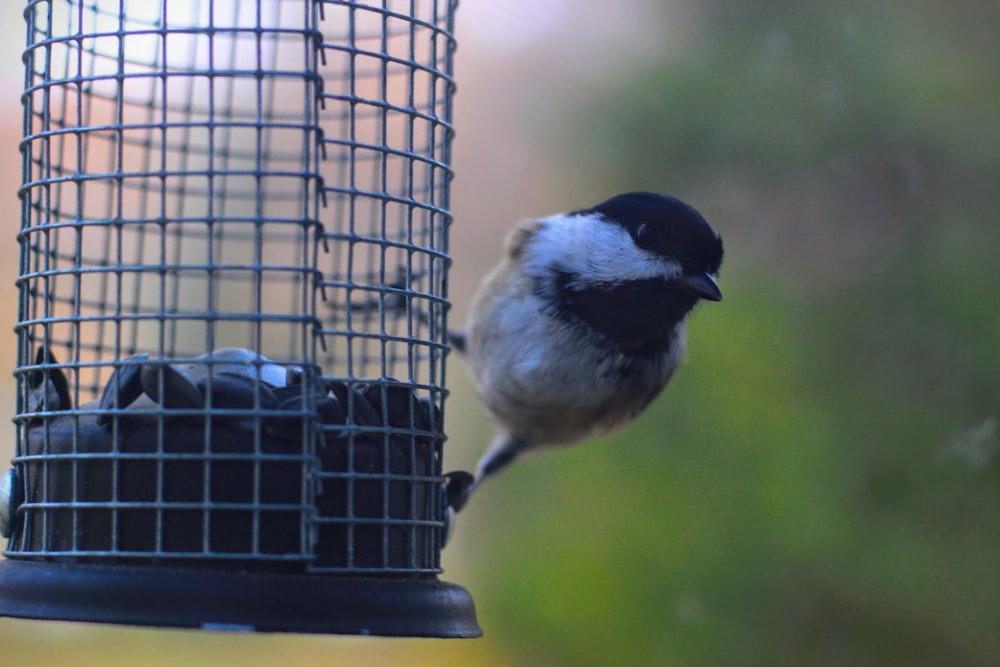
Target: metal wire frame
{"x":270,"y":175}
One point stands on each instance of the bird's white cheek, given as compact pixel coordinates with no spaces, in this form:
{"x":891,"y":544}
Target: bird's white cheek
{"x":592,"y":251}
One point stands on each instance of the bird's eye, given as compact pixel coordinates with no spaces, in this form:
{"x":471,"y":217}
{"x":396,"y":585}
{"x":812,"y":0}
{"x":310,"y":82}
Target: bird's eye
{"x":646,"y":236}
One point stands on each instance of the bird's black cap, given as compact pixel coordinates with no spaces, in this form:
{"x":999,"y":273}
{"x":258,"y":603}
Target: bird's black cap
{"x":667,"y":226}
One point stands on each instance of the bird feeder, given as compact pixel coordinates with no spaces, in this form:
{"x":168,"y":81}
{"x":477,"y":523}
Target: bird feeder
{"x":231,"y":331}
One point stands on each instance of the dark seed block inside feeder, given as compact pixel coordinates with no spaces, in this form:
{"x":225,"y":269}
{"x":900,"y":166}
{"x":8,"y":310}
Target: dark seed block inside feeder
{"x":129,"y":499}
{"x":359,"y":503}
{"x":372,"y":513}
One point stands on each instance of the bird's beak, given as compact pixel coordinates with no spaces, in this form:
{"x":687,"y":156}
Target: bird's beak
{"x":701,"y":285}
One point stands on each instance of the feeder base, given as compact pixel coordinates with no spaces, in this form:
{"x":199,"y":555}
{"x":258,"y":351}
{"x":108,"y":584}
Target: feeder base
{"x":237,"y":601}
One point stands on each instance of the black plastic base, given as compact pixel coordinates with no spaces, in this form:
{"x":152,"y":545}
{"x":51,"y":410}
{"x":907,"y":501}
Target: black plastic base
{"x":239,"y":601}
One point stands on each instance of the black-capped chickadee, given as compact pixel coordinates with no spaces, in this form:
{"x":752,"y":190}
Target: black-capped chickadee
{"x":581,"y":324}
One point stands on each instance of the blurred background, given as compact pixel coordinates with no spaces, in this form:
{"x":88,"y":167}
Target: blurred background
{"x":820,"y":484}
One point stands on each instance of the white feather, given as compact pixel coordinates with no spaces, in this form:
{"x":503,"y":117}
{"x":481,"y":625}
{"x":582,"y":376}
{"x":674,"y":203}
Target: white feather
{"x":594,"y":250}
{"x":237,"y":361}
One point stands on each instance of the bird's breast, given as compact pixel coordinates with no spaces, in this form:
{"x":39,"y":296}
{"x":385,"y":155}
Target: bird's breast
{"x":540,"y":374}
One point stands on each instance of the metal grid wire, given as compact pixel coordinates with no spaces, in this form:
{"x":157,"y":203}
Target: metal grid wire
{"x":269,"y":175}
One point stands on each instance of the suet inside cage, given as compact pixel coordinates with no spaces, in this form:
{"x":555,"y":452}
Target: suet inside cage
{"x":232,"y":317}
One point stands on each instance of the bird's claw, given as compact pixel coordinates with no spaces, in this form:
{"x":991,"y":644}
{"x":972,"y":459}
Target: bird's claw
{"x":458,"y":487}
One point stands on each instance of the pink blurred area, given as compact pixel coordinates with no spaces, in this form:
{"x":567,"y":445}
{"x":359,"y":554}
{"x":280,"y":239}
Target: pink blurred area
{"x":11,"y":79}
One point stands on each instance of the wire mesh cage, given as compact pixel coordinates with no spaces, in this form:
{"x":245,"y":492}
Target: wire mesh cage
{"x":232,"y":316}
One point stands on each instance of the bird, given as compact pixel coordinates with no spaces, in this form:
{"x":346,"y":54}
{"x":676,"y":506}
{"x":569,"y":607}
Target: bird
{"x":583,"y":322}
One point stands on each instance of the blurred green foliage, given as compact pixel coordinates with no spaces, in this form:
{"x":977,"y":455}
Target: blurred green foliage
{"x":820,"y":485}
